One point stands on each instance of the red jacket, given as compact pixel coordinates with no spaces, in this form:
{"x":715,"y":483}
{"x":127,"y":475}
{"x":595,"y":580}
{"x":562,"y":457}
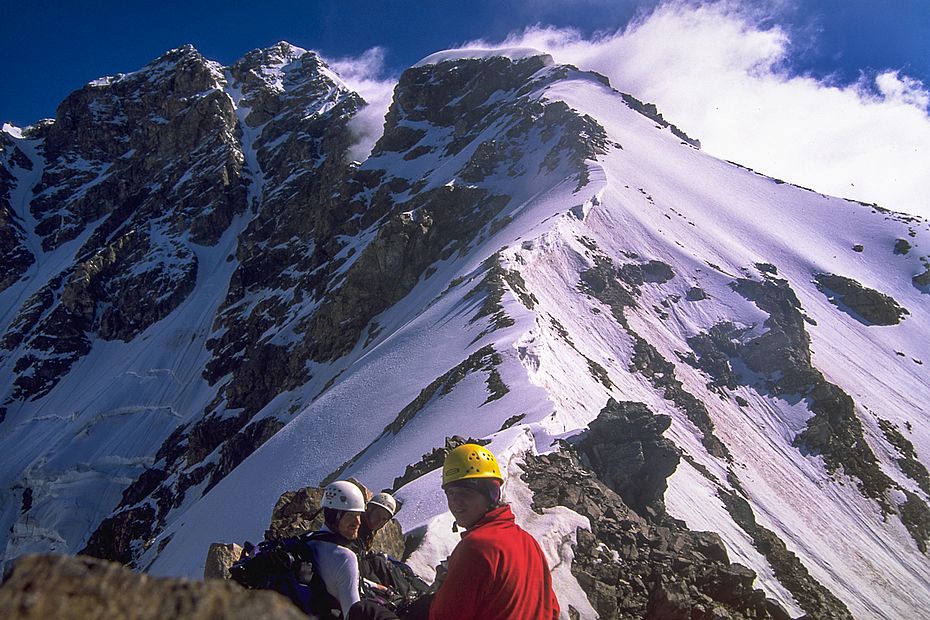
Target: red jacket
{"x":496,"y":572}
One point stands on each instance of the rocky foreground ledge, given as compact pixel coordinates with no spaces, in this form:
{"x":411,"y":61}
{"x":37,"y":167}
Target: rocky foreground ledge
{"x":50,"y":587}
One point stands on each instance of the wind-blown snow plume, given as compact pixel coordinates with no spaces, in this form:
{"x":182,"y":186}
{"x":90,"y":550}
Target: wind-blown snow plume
{"x":721,"y":72}
{"x":365,"y":75}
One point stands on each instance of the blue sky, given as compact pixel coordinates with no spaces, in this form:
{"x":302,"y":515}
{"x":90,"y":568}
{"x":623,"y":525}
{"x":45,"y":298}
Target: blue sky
{"x":52,"y":48}
{"x":829,"y":94}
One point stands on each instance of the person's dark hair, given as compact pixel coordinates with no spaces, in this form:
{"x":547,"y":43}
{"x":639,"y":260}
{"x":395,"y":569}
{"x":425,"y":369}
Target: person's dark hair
{"x":331,"y":517}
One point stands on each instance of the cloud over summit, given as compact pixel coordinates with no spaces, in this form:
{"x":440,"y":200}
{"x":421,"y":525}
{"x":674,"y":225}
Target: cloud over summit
{"x":722,"y":72}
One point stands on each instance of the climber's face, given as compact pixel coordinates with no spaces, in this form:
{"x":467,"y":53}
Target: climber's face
{"x":349,"y":523}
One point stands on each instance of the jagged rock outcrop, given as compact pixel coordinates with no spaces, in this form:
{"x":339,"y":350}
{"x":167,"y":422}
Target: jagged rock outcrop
{"x":865,"y":304}
{"x":625,"y":447}
{"x":15,"y":257}
{"x":618,"y":287}
{"x":142,"y":168}
{"x":632,"y":568}
{"x":83,"y":588}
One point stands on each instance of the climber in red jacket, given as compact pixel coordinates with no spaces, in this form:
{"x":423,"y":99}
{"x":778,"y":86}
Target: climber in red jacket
{"x":497,"y":571}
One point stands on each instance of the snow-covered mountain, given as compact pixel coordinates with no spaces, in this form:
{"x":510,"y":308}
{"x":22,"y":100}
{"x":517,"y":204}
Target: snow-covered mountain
{"x":205,"y":304}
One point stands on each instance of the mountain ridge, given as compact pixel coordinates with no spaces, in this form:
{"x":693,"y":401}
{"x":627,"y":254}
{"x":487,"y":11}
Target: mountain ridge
{"x":507,"y":199}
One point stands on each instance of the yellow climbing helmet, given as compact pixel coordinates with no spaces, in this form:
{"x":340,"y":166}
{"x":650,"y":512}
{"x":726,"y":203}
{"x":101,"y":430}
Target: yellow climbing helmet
{"x":470,"y":461}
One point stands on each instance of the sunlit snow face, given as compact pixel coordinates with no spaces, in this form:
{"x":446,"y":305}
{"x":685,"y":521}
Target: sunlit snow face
{"x":349,"y":523}
{"x":466,"y":505}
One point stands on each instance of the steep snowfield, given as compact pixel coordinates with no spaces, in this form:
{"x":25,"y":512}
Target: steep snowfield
{"x":711,"y":221}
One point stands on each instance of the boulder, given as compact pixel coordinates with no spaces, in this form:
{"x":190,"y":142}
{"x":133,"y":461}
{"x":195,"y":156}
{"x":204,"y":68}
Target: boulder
{"x":219,"y":558}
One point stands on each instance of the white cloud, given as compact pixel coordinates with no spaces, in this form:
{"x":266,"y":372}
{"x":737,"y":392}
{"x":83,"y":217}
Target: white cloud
{"x":714,"y":71}
{"x":365,"y":75}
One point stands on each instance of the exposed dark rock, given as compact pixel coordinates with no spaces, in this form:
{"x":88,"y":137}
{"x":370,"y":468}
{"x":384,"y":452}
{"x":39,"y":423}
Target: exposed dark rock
{"x":302,"y":150}
{"x":152,"y":160}
{"x":599,"y":372}
{"x":922,"y":281}
{"x":902,"y":246}
{"x":27,"y":500}
{"x":696,"y":293}
{"x":601,"y":282}
{"x":858,"y":248}
{"x":650,"y":111}
{"x":15,"y":257}
{"x":632,"y":569}
{"x":142,"y":487}
{"x":907,"y":461}
{"x":495,"y":281}
{"x":482,"y":162}
{"x":715,"y":349}
{"x":241,"y":445}
{"x":915,"y":515}
{"x":393,"y":262}
{"x":85,"y":588}
{"x":658,"y":272}
{"x":625,"y":448}
{"x":118,"y":537}
{"x":515,"y":419}
{"x":864,"y":304}
{"x":434,"y":459}
{"x":782,"y":357}
{"x":661,"y":373}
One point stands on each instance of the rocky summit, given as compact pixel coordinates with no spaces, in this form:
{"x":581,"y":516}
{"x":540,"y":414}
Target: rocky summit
{"x":708,"y":389}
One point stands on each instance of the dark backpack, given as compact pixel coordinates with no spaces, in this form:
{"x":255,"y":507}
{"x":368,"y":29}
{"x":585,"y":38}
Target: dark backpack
{"x":400,"y":585}
{"x":286,"y":566}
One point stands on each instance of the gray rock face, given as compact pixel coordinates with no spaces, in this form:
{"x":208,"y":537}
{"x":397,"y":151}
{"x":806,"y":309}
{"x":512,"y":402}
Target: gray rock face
{"x":82,"y":588}
{"x":143,"y":167}
{"x":632,"y":568}
{"x":15,"y":257}
{"x":868,"y":305}
{"x":625,"y":447}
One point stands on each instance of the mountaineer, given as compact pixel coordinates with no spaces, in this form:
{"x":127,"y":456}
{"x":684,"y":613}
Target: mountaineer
{"x":497,"y":571}
{"x":333,"y":559}
{"x":380,"y":509}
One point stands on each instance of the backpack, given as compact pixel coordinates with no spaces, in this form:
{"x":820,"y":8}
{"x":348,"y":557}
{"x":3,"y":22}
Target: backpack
{"x":286,"y":566}
{"x":390,"y":579}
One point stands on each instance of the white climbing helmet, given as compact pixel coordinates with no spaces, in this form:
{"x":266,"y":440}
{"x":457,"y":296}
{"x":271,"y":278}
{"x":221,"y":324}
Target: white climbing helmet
{"x":386,"y":501}
{"x":343,"y":495}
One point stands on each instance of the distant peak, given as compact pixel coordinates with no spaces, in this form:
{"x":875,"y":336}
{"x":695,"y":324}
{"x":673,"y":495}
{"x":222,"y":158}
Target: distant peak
{"x":281,"y":52}
{"x":288,"y":50}
{"x":511,"y":53}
